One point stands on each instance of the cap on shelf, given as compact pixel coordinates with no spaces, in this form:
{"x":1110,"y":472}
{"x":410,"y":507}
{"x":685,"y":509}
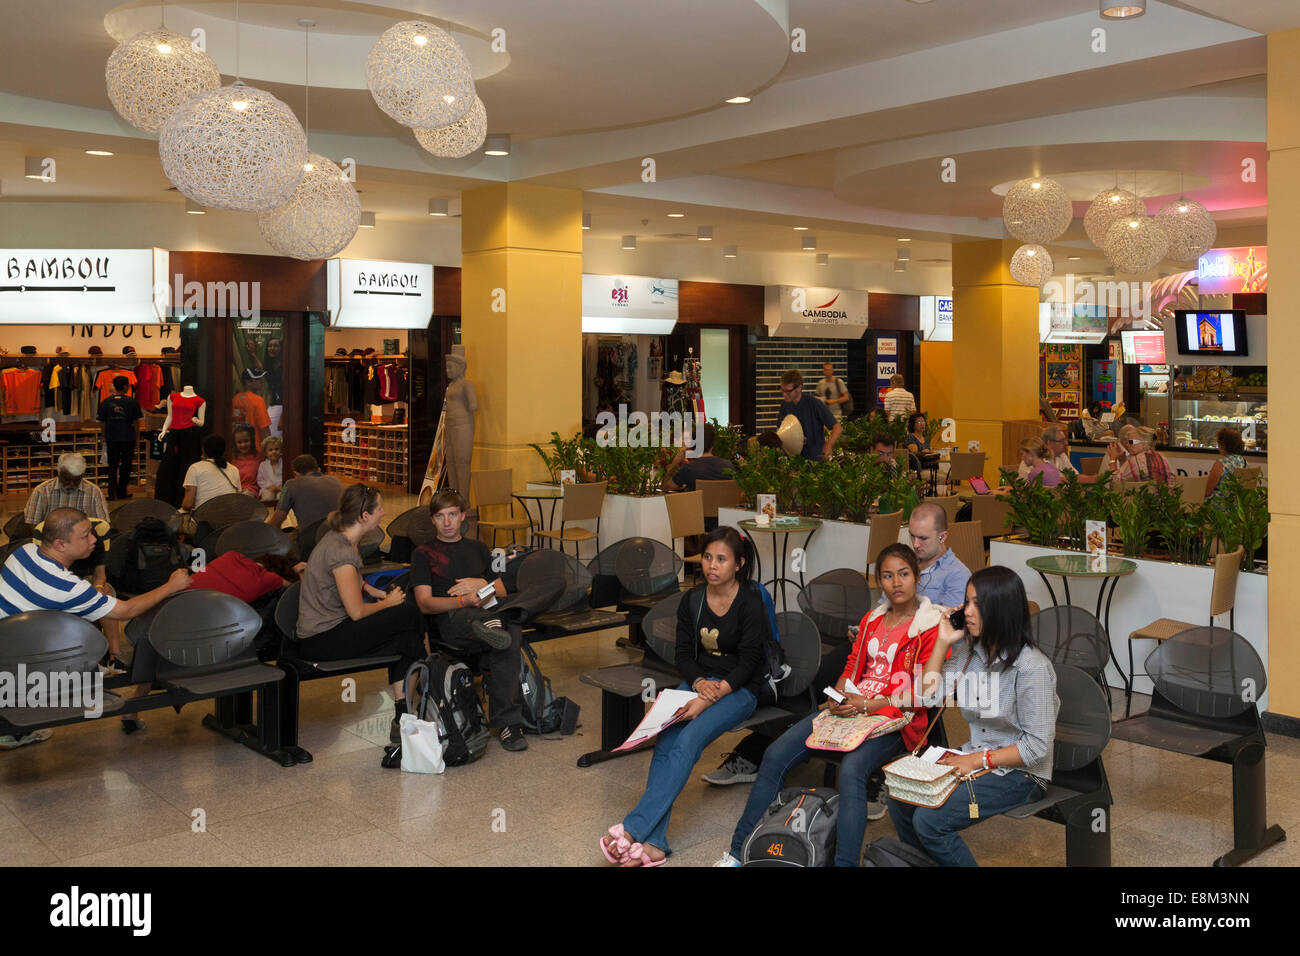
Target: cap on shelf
{"x":95,"y":350}
{"x":29,"y":349}
{"x":128,"y":349}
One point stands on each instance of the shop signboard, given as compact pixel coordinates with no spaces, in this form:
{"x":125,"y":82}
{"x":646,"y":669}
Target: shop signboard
{"x":73,"y":286}
{"x":629,"y":305}
{"x":936,"y":318}
{"x":1225,"y":271}
{"x":1103,"y":382}
{"x":815,"y":312}
{"x":367,"y":294}
{"x":1061,"y":324}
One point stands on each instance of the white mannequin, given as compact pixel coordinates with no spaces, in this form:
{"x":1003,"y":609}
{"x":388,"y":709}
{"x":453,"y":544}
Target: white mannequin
{"x":188,"y":392}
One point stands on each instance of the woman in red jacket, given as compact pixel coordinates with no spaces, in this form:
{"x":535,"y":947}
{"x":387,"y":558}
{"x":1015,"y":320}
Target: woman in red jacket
{"x":894,"y":642}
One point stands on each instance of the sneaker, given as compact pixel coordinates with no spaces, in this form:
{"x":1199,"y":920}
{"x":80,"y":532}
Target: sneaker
{"x":9,"y":742}
{"x":131,"y":725}
{"x":512,"y":738}
{"x":727,"y":860}
{"x":876,"y":808}
{"x":395,"y":731}
{"x":734,"y":769}
{"x":114,"y":665}
{"x":491,"y":633}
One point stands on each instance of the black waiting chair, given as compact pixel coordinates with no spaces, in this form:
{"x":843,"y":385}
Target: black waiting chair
{"x":634,"y":574}
{"x":408,"y":531}
{"x":802,"y":644}
{"x":217,"y":514}
{"x":125,"y":518}
{"x":571,"y":613}
{"x":1207,"y":682}
{"x":305,"y":538}
{"x":836,"y":600}
{"x":62,"y":646}
{"x":1072,"y":635}
{"x":1078,"y":794}
{"x":11,"y":546}
{"x":253,"y":539}
{"x":368,"y":546}
{"x":297,"y":670}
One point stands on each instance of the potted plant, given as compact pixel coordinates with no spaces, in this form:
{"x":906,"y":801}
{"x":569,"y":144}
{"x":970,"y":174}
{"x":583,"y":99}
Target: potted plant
{"x":567,"y":455}
{"x":728,"y":440}
{"x":629,"y":471}
{"x":862,"y":481}
{"x":1134,"y":514}
{"x":1033,"y":507}
{"x":1239,"y":516}
{"x":1080,"y":503}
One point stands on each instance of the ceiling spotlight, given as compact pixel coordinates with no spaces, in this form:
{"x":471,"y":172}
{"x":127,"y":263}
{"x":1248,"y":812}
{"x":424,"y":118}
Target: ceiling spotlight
{"x":437,"y":207}
{"x":823,"y":259}
{"x":810,"y":242}
{"x":629,"y":242}
{"x":904,"y":252}
{"x":900,"y":265}
{"x":586,"y":220}
{"x":704,"y":233}
{"x":194,"y":209}
{"x":34,"y":168}
{"x":738,"y":99}
{"x":901,"y":239}
{"x":676,"y":215}
{"x":1073,"y":258}
{"x":1122,"y":9}
{"x":98,"y":152}
{"x":800,"y":228}
{"x":367,"y":220}
{"x":497,"y":144}
{"x":728,"y":252}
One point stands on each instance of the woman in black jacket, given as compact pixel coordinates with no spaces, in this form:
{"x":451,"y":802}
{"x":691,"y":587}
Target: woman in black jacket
{"x":721,"y":627}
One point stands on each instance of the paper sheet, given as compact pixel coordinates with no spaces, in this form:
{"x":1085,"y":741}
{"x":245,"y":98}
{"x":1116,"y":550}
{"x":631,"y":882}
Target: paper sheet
{"x":932,"y":754}
{"x":658,"y":717}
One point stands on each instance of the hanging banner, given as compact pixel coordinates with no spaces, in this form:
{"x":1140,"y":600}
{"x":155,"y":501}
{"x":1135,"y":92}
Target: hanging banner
{"x":814,"y":312}
{"x":1224,"y":271}
{"x":629,"y":305}
{"x":364,"y":294}
{"x":71,"y":286}
{"x":936,"y":318}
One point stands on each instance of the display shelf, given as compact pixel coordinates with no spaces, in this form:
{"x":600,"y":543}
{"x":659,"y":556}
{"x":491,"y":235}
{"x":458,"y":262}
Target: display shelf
{"x":380,"y":454}
{"x":27,"y":463}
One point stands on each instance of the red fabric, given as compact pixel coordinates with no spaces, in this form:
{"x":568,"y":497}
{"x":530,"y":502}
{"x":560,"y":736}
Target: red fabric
{"x":104,"y":381}
{"x":183,"y":411}
{"x":22,"y":391}
{"x":249,"y":409}
{"x":148,"y":378}
{"x":237,"y":575}
{"x":247,"y":471}
{"x":882,"y":673}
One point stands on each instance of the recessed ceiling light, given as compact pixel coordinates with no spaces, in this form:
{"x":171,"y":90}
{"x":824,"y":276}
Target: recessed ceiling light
{"x":1073,"y":258}
{"x":904,"y":253}
{"x":900,"y":266}
{"x":800,"y":228}
{"x":1122,"y":9}
{"x":901,"y":239}
{"x":728,"y":252}
{"x":98,"y":152}
{"x":437,"y":207}
{"x":34,"y":168}
{"x":367,"y":220}
{"x":629,"y":242}
{"x":586,"y":220}
{"x":739,"y":99}
{"x":704,"y":233}
{"x":676,"y":215}
{"x":823,"y":259}
{"x":498,"y":144}
{"x":194,"y":209}
{"x":810,"y":242}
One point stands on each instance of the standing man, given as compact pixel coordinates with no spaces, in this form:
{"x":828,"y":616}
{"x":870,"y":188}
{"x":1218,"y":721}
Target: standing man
{"x":812,"y":415}
{"x":120,"y":414}
{"x":898,"y":400}
{"x":1058,"y":451}
{"x":834,"y":392}
{"x":943,"y":577}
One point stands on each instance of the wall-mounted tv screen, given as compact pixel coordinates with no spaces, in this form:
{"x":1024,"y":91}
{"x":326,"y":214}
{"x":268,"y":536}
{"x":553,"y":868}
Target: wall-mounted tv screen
{"x":1211,"y":333}
{"x":1143,"y":348}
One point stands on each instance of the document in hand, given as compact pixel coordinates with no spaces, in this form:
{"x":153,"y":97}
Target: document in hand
{"x":663,"y":713}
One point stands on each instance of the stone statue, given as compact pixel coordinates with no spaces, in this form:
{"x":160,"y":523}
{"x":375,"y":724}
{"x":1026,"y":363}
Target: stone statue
{"x":462,"y":403}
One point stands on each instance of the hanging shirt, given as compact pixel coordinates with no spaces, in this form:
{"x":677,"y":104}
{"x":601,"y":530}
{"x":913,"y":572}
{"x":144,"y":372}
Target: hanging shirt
{"x":104,"y":381}
{"x":248,"y":408}
{"x":388,"y":389}
{"x":22,"y":391}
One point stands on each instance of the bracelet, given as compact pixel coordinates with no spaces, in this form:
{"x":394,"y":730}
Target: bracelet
{"x":988,"y":760}
{"x":459,"y":600}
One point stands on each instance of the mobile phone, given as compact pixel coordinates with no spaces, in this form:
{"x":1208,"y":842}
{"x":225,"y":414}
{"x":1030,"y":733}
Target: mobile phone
{"x":958,"y":618}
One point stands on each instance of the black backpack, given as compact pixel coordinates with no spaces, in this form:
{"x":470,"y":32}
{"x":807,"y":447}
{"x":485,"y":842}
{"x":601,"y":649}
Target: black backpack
{"x":440,"y":689}
{"x":775,"y":667}
{"x":889,"y":852}
{"x":798,"y":829}
{"x":543,"y":712}
{"x":146,"y":556}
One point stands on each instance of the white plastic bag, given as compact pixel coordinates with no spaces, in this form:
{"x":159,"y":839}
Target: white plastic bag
{"x":421,"y":746}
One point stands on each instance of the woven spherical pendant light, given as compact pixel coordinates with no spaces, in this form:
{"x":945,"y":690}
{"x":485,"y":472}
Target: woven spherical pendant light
{"x":420,"y":76}
{"x":1032,"y":265}
{"x":1190,"y":228}
{"x":460,"y":138}
{"x":1037,"y":210}
{"x":1135,"y":245}
{"x":320,"y":219}
{"x":152,"y":74}
{"x":234,"y":148}
{"x":1108,"y":208}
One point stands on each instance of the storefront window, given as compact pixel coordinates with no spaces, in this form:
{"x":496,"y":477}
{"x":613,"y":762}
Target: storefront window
{"x":715,"y":373}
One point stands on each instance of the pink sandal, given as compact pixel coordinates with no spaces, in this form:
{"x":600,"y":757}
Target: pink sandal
{"x":637,"y":852}
{"x":619,"y":842}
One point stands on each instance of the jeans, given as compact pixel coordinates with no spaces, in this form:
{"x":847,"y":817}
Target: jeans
{"x":935,"y":831}
{"x":676,"y":751}
{"x":786,"y":753}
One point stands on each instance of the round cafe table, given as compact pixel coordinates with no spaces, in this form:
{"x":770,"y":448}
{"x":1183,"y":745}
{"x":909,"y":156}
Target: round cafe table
{"x":1104,"y":568}
{"x":780,"y":537}
{"x":541,"y":496}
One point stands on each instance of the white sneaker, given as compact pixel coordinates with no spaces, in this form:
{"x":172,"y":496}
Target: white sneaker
{"x":876,"y":809}
{"x":727,"y":860}
{"x":10,"y":742}
{"x":734,"y":769}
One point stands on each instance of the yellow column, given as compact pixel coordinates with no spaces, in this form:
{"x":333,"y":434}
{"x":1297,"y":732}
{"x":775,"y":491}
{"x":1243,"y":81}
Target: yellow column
{"x":521,"y":320}
{"x":994,"y":346}
{"x":1283,"y":384}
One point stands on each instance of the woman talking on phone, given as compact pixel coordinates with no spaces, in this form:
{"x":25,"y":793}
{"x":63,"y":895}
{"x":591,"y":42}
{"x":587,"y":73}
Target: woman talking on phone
{"x":894,"y":639}
{"x":1006,"y":690}
{"x":719,"y":653}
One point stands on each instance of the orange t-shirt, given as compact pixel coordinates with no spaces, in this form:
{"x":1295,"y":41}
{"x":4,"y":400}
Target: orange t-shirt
{"x":22,"y":391}
{"x":250,"y":409}
{"x":104,"y":381}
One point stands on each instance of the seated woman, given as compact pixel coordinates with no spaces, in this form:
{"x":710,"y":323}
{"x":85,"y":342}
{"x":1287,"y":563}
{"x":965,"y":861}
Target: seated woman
{"x":245,"y":458}
{"x":334,"y":620}
{"x":916,"y":440}
{"x":270,"y":473}
{"x":1033,"y":455}
{"x":1231,"y":458}
{"x":894,"y":639}
{"x":1006,"y":690}
{"x":1134,"y":458}
{"x":210,"y":477}
{"x":719,"y":654}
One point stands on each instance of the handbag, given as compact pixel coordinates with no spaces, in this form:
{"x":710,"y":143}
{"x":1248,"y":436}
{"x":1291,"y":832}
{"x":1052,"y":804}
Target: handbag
{"x":421,"y":747}
{"x":845,"y":734}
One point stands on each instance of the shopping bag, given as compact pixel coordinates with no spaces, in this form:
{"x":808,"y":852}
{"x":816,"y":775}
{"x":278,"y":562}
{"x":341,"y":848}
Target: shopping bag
{"x":421,"y":746}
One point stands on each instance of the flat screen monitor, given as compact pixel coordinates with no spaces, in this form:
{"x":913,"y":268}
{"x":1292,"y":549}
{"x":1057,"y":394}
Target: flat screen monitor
{"x":1143,"y":348}
{"x":1211,"y":333}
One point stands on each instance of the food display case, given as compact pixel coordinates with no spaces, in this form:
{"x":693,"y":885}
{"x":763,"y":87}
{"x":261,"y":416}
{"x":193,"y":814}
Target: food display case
{"x":1206,"y":398}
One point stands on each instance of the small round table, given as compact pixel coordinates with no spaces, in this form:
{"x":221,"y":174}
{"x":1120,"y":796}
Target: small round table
{"x":540,"y":495}
{"x":1105,"y":568}
{"x":779,"y":545}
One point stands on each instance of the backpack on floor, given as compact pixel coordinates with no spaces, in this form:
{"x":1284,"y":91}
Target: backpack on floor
{"x":441,"y":689}
{"x":145,"y":557}
{"x":775,"y":667}
{"x":798,"y":829}
{"x":889,"y":852}
{"x":543,"y":712}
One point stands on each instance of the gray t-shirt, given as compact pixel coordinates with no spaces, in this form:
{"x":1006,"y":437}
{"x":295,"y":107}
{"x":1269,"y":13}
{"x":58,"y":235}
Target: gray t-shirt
{"x":319,"y":606}
{"x":832,"y":389}
{"x":310,"y":497}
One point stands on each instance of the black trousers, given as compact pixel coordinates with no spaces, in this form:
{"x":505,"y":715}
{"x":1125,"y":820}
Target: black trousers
{"x":181,"y":448}
{"x":120,"y":455}
{"x":501,"y":677}
{"x":394,"y":630}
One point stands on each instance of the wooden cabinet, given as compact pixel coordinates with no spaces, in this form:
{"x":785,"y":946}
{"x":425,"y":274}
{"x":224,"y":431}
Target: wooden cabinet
{"x":379,"y":455}
{"x":28,"y":460}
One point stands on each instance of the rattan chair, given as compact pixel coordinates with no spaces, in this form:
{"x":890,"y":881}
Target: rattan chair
{"x":950,"y":505}
{"x":582,"y":502}
{"x":685,"y":518}
{"x":966,"y":539}
{"x":963,"y":465}
{"x":1193,"y":488}
{"x":723,"y":493}
{"x":992,"y":513}
{"x":492,"y":489}
{"x":883,"y":531}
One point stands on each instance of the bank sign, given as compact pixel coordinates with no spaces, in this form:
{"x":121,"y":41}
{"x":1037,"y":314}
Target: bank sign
{"x":630,"y":305}
{"x":367,"y":294}
{"x":936,"y":318}
{"x":72,"y":286}
{"x":815,"y":312}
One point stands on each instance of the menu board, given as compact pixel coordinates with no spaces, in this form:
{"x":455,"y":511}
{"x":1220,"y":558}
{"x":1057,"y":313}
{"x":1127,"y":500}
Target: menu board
{"x":1062,"y":379}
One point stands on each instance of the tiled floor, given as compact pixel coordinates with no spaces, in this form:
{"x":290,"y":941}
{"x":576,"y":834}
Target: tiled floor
{"x":93,"y":796}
